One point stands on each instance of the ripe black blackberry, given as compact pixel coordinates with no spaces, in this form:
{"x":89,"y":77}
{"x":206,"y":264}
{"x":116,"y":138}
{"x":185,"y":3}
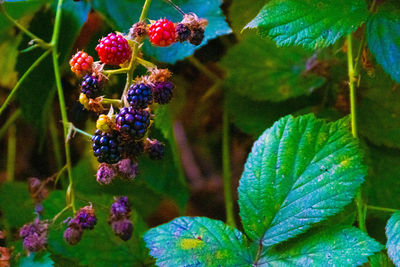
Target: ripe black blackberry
{"x":133,"y":123}
{"x":91,"y":86}
{"x":105,"y":146}
{"x":197,"y":36}
{"x":163,"y":92}
{"x":182,"y":32}
{"x":131,"y":148}
{"x":139,"y":96}
{"x":155,"y":149}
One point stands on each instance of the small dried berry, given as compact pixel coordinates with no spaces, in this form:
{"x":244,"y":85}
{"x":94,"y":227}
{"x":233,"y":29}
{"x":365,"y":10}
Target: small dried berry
{"x":163,"y":92}
{"x":105,"y":174}
{"x":114,"y":49}
{"x":81,"y":63}
{"x":35,"y":235}
{"x":197,"y":36}
{"x":73,"y":235}
{"x":85,"y":218}
{"x":155,"y":149}
{"x":138,"y":30}
{"x":104,"y":123}
{"x":120,"y":208}
{"x":182,"y":32}
{"x":122,"y":228}
{"x":127,"y":168}
{"x":131,"y":149}
{"x":162,"y":33}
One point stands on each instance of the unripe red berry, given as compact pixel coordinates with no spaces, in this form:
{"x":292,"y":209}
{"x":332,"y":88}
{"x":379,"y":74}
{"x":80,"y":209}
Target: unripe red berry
{"x":114,"y":49}
{"x":162,"y":33}
{"x":81,"y":63}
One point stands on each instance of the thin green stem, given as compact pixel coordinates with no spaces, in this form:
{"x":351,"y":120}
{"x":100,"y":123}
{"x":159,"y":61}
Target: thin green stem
{"x":55,"y":141}
{"x":54,"y":42}
{"x":203,"y":69}
{"x":59,"y":175}
{"x":81,"y":131}
{"x":227,"y":175}
{"x":9,"y":122}
{"x":11,"y":152}
{"x":21,"y":80}
{"x":38,"y":40}
{"x":359,"y":200}
{"x":145,"y":63}
{"x":111,"y":101}
{"x":117,"y":71}
{"x":60,"y":213}
{"x":145,"y":10}
{"x":370,"y":207}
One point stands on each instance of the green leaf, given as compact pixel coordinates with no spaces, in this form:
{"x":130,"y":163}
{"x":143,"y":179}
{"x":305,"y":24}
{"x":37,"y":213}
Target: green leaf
{"x":17,"y":207}
{"x":197,"y":241}
{"x":241,"y":11}
{"x":312,"y":24}
{"x":393,"y":236}
{"x":383,"y":37}
{"x":258,"y":69}
{"x":300,"y":171}
{"x":333,"y":247}
{"x":123,"y":14}
{"x":380,"y":260}
{"x":378,"y":110}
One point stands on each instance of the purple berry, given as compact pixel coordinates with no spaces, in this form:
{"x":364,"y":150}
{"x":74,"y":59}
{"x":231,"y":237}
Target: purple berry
{"x":133,"y":123}
{"x":122,"y":228}
{"x":86,"y":218}
{"x":163,"y":92}
{"x":127,"y":168}
{"x":139,"y":96}
{"x":105,"y":173}
{"x":182,"y":32}
{"x":155,"y":149}
{"x":105,"y":147}
{"x":35,"y":235}
{"x":120,"y":208}
{"x":73,"y":235}
{"x":91,"y":86}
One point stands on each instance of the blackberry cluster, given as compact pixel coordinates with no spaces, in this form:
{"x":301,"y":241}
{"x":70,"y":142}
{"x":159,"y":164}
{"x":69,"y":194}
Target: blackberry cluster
{"x":34,"y":235}
{"x":85,"y":219}
{"x":139,"y":96}
{"x":120,"y":218}
{"x":106,"y":146}
{"x":133,"y":123}
{"x":91,"y":86}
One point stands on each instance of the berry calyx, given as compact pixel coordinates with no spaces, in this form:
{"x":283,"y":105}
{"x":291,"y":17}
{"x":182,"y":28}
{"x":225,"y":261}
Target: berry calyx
{"x":105,"y":147}
{"x":114,"y":49}
{"x":183,"y":32}
{"x":139,"y":96}
{"x":81,"y":63}
{"x":91,"y":86}
{"x":162,"y":33}
{"x":104,"y":123}
{"x":133,"y":123}
{"x":155,"y":149}
{"x":163,"y":92}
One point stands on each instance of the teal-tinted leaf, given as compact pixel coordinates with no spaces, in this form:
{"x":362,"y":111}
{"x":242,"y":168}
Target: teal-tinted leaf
{"x":378,"y":112}
{"x":209,"y":9}
{"x":333,"y":247}
{"x":16,"y":205}
{"x":393,"y":236}
{"x":258,"y":69}
{"x":98,"y":247}
{"x":312,"y":24}
{"x":383,"y":37}
{"x":33,"y":261}
{"x":300,"y":171}
{"x":197,"y":241}
{"x":122,"y":14}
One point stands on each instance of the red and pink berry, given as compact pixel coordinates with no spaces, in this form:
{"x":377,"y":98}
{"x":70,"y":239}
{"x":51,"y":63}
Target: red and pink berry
{"x":114,"y":49}
{"x":81,"y":63}
{"x":162,"y":33}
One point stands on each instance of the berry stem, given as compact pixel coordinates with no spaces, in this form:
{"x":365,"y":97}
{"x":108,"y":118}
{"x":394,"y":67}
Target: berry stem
{"x":9,"y":122}
{"x":111,"y":101}
{"x":37,"y":40}
{"x":145,"y":63}
{"x":11,"y":153}
{"x":21,"y":80}
{"x":369,"y":207}
{"x":55,"y":141}
{"x":117,"y":71}
{"x":71,"y":128}
{"x":60,"y":213}
{"x":351,"y":72}
{"x":227,"y":175}
{"x":203,"y":69}
{"x":54,"y":42}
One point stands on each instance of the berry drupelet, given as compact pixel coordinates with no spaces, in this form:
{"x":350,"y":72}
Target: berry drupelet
{"x":133,"y":123}
{"x":91,"y":86}
{"x":114,"y":49}
{"x":139,"y":96}
{"x":105,"y":146}
{"x":163,"y":92}
{"x":162,"y":33}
